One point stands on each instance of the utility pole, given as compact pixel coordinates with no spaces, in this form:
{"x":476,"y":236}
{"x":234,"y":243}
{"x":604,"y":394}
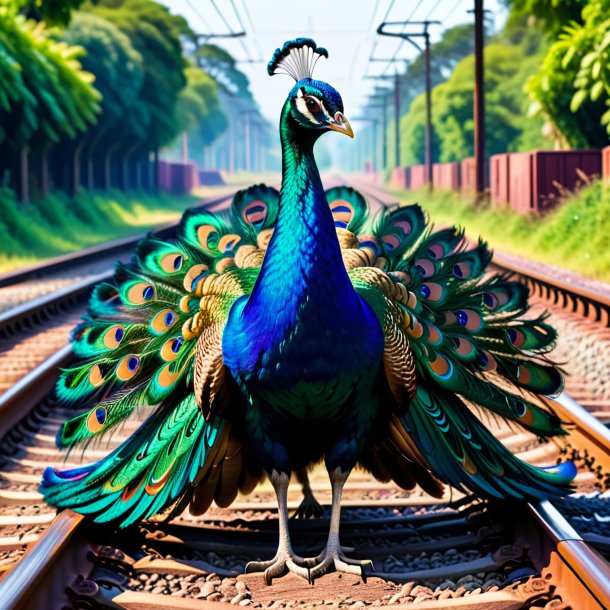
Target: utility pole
{"x":479,"y":98}
{"x":426,"y":50}
{"x":382,"y":94}
{"x":396,"y":79}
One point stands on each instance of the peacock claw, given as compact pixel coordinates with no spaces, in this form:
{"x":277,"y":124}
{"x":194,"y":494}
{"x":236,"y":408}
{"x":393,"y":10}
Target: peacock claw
{"x":309,"y":508}
{"x":280,"y":565}
{"x":320,"y":565}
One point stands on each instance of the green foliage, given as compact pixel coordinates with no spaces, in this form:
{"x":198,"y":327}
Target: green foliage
{"x":592,"y":82}
{"x":199,"y":107}
{"x":59,"y":224}
{"x":551,"y":14}
{"x":52,"y":12}
{"x":576,"y":235}
{"x":155,"y":33}
{"x":507,"y":69}
{"x":118,"y":69}
{"x":44,"y":93}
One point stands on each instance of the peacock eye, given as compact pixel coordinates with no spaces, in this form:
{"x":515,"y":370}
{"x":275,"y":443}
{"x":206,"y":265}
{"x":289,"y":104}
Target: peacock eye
{"x":313,"y":105}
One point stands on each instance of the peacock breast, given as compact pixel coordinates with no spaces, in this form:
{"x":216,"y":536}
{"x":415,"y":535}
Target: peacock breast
{"x":307,"y":358}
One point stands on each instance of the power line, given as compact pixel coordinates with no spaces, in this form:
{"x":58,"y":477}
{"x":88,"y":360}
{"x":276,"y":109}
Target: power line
{"x":228,"y":26}
{"x":241,"y":23}
{"x":432,"y":9}
{"x":196,"y":11}
{"x":374,"y":13}
{"x":248,"y":17}
{"x":452,"y":10}
{"x":402,"y":41}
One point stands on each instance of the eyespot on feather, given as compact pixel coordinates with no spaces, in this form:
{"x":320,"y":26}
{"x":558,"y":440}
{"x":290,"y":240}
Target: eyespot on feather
{"x":515,"y":337}
{"x":96,"y":378}
{"x":255,"y":213}
{"x":424,"y":267}
{"x":342,"y":211}
{"x":228,"y":243}
{"x":468,"y":318}
{"x":391,"y":241}
{"x":523,"y":375}
{"x":404,"y":225}
{"x":96,"y":419}
{"x":462,"y":270}
{"x":434,"y":334}
{"x":163,"y":320}
{"x":172,"y":263}
{"x":490,"y":300}
{"x":436,"y":251}
{"x":128,"y":367}
{"x":113,"y":336}
{"x":141,"y":293}
{"x":165,"y":377}
{"x":194,"y":275}
{"x":431,"y":291}
{"x":441,"y":366}
{"x":171,"y":348}
{"x":463,"y":347}
{"x":207,"y":236}
{"x":488,"y":362}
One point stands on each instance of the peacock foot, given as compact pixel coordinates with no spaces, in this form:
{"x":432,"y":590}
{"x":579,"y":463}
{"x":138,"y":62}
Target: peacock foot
{"x":284,"y":561}
{"x":333,"y":560}
{"x":309,"y":508}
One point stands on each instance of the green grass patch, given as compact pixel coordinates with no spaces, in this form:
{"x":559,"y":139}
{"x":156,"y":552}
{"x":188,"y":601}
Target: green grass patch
{"x":60,"y":224}
{"x":576,"y":235}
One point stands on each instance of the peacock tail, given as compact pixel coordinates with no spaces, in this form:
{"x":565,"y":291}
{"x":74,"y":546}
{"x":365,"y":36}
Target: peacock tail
{"x":456,"y":341}
{"x":151,"y":346}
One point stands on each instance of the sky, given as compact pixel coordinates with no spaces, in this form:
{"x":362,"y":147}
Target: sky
{"x":345,"y":27}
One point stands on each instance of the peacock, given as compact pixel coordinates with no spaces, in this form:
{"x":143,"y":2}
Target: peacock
{"x":297,"y":328}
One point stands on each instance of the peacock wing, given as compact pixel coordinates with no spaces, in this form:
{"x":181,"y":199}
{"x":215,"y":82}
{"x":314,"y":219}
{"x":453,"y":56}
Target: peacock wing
{"x":457,"y":339}
{"x":151,"y":344}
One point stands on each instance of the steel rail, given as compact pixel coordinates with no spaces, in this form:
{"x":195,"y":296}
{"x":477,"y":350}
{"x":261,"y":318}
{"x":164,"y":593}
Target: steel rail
{"x":586,"y":566}
{"x":18,"y":586}
{"x":27,"y":311}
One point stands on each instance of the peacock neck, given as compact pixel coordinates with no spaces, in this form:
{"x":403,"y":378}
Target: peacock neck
{"x":303,"y":261}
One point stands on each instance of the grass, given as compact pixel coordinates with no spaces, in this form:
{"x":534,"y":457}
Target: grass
{"x":60,"y":224}
{"x":575,"y":236}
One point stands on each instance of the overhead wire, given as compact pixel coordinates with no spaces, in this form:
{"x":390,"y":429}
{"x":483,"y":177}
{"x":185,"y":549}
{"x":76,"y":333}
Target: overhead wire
{"x":452,"y":11}
{"x":196,"y":11}
{"x":404,"y":27}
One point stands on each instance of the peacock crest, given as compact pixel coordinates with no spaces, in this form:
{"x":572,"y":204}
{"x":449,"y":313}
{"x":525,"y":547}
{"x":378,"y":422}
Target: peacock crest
{"x":297,"y":58}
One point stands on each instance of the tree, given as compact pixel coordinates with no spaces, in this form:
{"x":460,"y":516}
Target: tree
{"x":155,"y":34}
{"x":119,"y":76}
{"x":452,"y":109}
{"x":52,"y":12}
{"x":44,"y":93}
{"x":553,"y":15}
{"x":570,"y":89}
{"x":592,"y":82}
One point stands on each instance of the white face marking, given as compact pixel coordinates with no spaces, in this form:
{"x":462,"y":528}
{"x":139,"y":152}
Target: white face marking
{"x":302,"y":108}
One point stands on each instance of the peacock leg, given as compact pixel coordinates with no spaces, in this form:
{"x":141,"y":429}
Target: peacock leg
{"x":332,"y":556}
{"x":285,"y":559}
{"x":309,"y":507}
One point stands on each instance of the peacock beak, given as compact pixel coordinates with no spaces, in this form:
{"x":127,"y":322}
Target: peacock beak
{"x":341,"y":124}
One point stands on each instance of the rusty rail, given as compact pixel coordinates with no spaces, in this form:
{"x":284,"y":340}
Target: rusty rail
{"x":19,"y":586}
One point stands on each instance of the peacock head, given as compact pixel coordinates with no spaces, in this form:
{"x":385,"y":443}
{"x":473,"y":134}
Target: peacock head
{"x":314,"y":104}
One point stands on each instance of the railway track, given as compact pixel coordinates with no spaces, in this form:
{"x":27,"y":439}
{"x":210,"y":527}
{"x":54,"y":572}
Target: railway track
{"x":458,"y":552}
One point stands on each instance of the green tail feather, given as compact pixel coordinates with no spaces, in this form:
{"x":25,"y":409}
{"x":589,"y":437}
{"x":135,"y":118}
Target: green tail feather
{"x":349,"y":208}
{"x":146,"y":474}
{"x":462,"y":452}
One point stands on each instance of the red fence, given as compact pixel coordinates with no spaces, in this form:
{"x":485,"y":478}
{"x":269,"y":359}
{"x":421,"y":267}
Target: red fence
{"x":178,"y":178}
{"x":418,"y":177}
{"x":534,"y":181}
{"x":446,"y":176}
{"x":606,"y":164}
